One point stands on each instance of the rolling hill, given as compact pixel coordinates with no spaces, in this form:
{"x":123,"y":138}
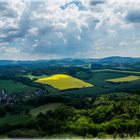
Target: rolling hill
{"x":63,"y":82}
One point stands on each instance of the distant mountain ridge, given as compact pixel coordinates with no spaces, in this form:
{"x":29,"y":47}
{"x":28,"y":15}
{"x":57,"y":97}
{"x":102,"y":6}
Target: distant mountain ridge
{"x":118,"y":59}
{"x":74,"y":61}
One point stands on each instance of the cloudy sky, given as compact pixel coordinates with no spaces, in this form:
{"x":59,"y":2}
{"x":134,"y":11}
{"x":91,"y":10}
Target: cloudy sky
{"x":69,"y":28}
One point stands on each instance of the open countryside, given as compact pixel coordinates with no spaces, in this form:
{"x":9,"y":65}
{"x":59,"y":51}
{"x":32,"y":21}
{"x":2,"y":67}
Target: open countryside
{"x":70,"y":69}
{"x":67,"y":100}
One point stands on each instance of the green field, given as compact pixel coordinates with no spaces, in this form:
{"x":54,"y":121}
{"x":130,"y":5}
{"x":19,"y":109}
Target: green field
{"x":15,"y":119}
{"x":11,"y":87}
{"x":100,"y":77}
{"x":120,"y":71}
{"x":124,"y":79}
{"x":81,"y":74}
{"x":44,"y":108}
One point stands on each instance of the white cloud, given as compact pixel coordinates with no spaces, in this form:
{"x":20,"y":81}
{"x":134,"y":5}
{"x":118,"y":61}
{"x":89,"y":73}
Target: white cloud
{"x":12,"y":50}
{"x":112,"y":32}
{"x":33,"y":31}
{"x":4,"y":44}
{"x":59,"y":35}
{"x":123,"y":43}
{"x":65,"y":31}
{"x":137,"y":41}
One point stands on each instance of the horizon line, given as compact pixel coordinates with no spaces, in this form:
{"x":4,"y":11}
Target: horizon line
{"x":80,"y":58}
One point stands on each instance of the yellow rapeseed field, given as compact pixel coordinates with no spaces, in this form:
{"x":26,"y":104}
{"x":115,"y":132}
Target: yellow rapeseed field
{"x":124,"y":79}
{"x":63,"y":82}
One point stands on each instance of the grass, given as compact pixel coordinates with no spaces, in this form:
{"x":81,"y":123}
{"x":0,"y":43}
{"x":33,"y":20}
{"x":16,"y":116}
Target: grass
{"x":14,"y":119}
{"x":81,"y":74}
{"x":99,"y":78}
{"x":63,"y":82}
{"x":65,"y":136}
{"x":11,"y":87}
{"x":121,"y":71}
{"x":44,"y":108}
{"x":124,"y":79}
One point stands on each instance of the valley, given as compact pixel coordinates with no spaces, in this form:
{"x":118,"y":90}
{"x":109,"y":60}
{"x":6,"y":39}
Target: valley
{"x":73,"y":100}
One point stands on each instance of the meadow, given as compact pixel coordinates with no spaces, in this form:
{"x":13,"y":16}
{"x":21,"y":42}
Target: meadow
{"x":119,"y":71}
{"x":15,"y":119}
{"x":44,"y":108}
{"x":64,"y":82}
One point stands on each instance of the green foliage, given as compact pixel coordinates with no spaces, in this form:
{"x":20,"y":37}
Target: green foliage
{"x":80,"y":126}
{"x":54,"y":121}
{"x":109,"y":116}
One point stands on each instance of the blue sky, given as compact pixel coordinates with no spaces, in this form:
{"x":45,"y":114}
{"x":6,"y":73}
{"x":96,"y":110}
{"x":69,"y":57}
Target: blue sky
{"x":51,"y":29}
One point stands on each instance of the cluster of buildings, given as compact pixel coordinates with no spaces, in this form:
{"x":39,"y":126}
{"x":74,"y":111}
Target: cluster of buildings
{"x":11,"y":99}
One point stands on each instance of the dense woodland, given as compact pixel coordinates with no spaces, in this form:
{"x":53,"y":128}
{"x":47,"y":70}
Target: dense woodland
{"x":113,"y":115}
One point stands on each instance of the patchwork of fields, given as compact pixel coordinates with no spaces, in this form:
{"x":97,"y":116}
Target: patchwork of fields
{"x":41,"y":98}
{"x":79,"y":81}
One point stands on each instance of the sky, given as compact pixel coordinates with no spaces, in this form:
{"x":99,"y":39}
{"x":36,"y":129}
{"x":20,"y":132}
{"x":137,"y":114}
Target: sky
{"x":54,"y":29}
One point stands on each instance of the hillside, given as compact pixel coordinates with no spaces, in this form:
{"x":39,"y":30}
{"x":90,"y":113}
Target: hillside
{"x":63,"y":82}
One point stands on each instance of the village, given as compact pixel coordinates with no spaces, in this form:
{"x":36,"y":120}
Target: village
{"x":14,"y":98}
